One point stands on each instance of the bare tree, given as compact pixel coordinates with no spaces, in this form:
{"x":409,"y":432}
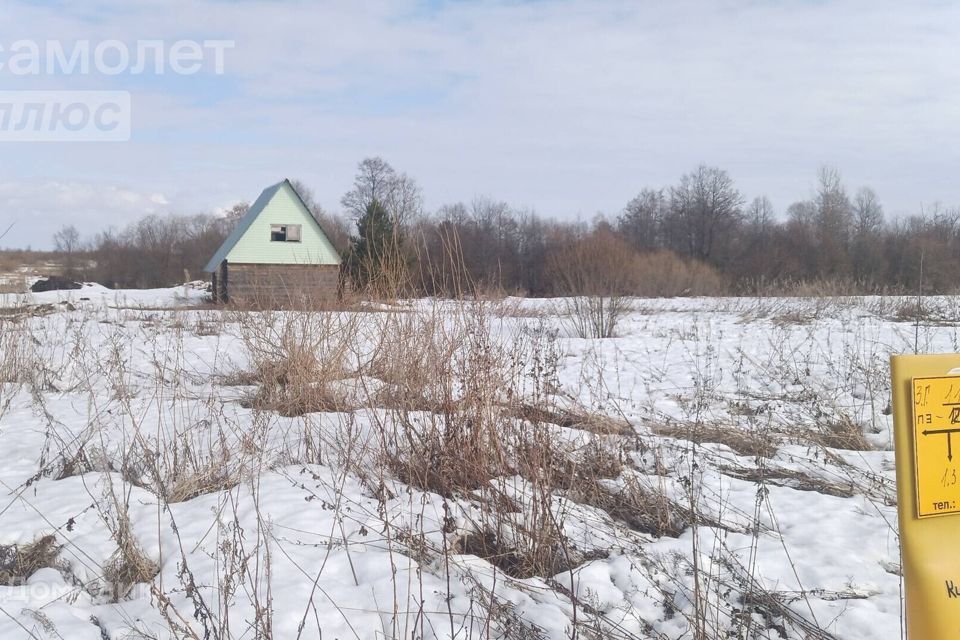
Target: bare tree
{"x":642,"y":220}
{"x":306,"y":194}
{"x":66,"y":241}
{"x":156,"y":251}
{"x":867,"y":212}
{"x":754,"y":247}
{"x":372,"y":183}
{"x":868,"y":254}
{"x":233,"y":215}
{"x":704,"y":208}
{"x":834,"y":218}
{"x":377,"y":181}
{"x":760,"y":213}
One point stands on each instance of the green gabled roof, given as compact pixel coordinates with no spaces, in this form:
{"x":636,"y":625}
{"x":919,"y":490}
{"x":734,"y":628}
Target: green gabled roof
{"x":244,"y":224}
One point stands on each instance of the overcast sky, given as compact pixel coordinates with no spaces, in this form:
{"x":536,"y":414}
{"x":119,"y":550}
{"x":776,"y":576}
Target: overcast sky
{"x":567,"y":108}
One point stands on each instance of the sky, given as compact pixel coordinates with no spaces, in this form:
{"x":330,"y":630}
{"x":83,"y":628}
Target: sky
{"x":566,"y":108}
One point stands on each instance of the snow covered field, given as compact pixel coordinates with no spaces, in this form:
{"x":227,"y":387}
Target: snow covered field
{"x":723,"y":468}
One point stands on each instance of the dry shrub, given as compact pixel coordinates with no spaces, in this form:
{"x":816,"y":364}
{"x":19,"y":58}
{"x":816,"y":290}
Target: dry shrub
{"x":19,"y":562}
{"x":596,"y":316}
{"x":665,"y":274}
{"x":515,"y":307}
{"x":414,"y":356}
{"x":841,"y":433}
{"x":19,"y":361}
{"x":521,"y":535}
{"x":598,"y":271}
{"x":911,"y":311}
{"x":794,"y":317}
{"x":595,"y":477}
{"x":461,"y":374}
{"x":745,"y":443}
{"x":211,"y":479}
{"x":128,"y":565}
{"x":596,"y":274}
{"x":526,"y":544}
{"x":186,"y":461}
{"x":524,"y":561}
{"x":459,"y":447}
{"x":486,"y":545}
{"x":77,"y":460}
{"x":207,"y":327}
{"x":451,"y":455}
{"x":642,"y":508}
{"x":538,"y":534}
{"x":602,"y":263}
{"x":541,"y":459}
{"x":458,"y":388}
{"x":803,"y":311}
{"x":295,"y":356}
{"x":929,"y":311}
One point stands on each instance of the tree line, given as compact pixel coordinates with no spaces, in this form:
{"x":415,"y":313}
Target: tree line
{"x":700,"y":236}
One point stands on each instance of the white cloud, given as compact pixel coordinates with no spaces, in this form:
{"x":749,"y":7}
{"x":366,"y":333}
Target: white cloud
{"x":567,"y":107}
{"x":38,"y":208}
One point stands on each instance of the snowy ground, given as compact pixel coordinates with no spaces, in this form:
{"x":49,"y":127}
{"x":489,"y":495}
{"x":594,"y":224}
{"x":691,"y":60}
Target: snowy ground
{"x":723,"y":468}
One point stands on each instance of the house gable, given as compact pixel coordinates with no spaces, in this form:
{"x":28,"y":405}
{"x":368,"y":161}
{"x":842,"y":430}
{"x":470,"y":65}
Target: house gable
{"x":250,"y":242}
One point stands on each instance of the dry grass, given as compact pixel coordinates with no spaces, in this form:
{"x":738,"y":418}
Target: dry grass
{"x":454,"y":455}
{"x":642,"y":508}
{"x":459,"y":400}
{"x":17,"y":267}
{"x":240,"y":378}
{"x":513,"y":561}
{"x":128,"y":566}
{"x":841,"y":433}
{"x":937,"y":311}
{"x":745,"y":443}
{"x":296,"y":357}
{"x":573,"y":419}
{"x":191,"y":485}
{"x":595,"y":476}
{"x":454,"y":369}
{"x":792,"y":479}
{"x":19,"y":562}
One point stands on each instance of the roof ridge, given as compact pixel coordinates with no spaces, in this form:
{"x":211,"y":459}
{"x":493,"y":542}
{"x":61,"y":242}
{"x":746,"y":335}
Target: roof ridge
{"x":252,"y":214}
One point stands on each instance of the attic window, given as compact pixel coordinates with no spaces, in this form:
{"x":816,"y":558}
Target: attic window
{"x":284,"y":233}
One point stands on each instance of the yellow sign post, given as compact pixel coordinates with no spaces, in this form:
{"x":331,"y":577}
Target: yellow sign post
{"x":926,"y":417}
{"x":936,"y":423}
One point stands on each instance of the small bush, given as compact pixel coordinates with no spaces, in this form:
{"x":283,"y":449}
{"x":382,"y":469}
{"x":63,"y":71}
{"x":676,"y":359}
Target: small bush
{"x":295,"y":357}
{"x":665,"y":274}
{"x":597,"y":273}
{"x":128,"y":565}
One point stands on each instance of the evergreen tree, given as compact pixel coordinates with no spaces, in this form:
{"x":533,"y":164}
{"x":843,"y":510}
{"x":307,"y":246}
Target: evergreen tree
{"x":374,"y":256}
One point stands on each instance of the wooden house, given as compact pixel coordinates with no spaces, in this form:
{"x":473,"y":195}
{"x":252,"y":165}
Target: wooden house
{"x":277,"y":253}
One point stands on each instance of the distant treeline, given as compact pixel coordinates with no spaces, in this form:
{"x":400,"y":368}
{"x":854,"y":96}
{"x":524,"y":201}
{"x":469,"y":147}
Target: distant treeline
{"x":700,"y":236}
